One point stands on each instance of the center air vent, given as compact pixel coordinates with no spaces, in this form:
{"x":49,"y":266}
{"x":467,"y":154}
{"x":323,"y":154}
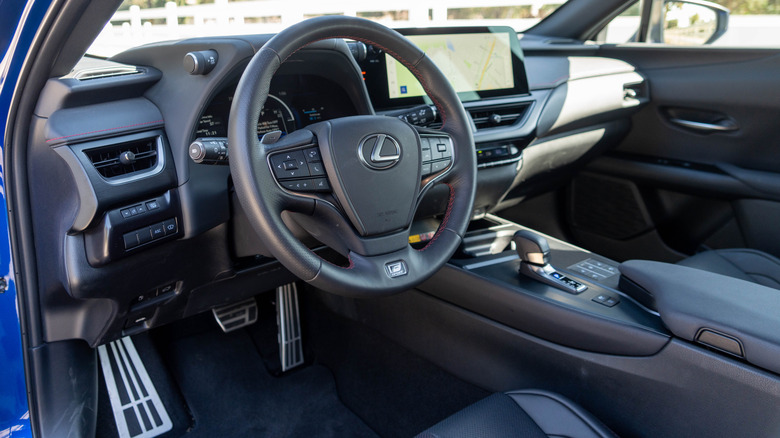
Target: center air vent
{"x":125,"y":158}
{"x":493,"y":117}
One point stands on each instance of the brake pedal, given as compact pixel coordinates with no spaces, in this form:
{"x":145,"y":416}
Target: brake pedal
{"x":236,"y":315}
{"x":288,"y":320}
{"x":138,"y":410}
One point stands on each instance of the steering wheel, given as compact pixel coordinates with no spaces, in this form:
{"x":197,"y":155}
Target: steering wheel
{"x":355,"y":182}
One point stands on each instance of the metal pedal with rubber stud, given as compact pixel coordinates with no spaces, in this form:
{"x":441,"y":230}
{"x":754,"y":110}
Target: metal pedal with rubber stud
{"x":288,"y":320}
{"x":236,"y":315}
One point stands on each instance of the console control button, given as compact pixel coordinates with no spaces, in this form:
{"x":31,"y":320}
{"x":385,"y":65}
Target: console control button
{"x":144,"y":235}
{"x":152,"y":205}
{"x":131,"y":240}
{"x":157,"y":230}
{"x":170,"y":227}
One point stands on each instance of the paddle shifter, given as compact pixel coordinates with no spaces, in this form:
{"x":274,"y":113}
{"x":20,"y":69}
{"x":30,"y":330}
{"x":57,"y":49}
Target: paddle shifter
{"x":535,"y":262}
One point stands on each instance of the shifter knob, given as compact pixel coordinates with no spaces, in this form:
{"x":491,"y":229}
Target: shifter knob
{"x":532,"y":248}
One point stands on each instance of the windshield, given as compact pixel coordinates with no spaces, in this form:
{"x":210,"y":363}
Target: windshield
{"x":139,"y":22}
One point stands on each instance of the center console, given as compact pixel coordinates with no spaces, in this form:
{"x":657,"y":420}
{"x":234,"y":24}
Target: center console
{"x":592,"y":316}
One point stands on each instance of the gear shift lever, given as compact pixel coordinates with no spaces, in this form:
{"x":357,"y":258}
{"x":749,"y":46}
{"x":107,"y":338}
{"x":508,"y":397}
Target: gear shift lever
{"x":534,"y":254}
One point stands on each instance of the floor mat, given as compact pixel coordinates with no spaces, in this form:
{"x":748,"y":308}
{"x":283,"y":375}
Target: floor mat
{"x":396,"y":392}
{"x":230,"y":393}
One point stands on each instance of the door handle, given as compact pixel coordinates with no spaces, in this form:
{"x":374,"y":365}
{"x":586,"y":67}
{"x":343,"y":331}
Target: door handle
{"x":724,"y":126}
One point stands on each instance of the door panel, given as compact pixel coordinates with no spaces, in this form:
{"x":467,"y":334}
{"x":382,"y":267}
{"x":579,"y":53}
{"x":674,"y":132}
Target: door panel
{"x":715,"y":187}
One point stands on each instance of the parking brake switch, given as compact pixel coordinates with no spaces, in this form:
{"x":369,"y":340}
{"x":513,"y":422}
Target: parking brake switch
{"x":534,"y":255}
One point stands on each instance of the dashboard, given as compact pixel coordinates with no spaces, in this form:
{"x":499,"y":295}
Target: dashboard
{"x":169,"y":234}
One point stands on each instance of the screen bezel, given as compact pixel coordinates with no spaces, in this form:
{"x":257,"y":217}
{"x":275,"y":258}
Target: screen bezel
{"x":375,"y":69}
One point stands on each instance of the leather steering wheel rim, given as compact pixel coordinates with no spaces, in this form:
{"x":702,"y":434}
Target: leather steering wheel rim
{"x":260,"y":195}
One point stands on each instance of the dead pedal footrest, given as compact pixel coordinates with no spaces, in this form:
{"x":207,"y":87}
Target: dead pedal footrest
{"x":138,"y":410}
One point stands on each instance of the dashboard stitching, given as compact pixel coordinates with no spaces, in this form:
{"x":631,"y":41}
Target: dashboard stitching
{"x":105,"y":130}
{"x":446,"y":217}
{"x":396,"y":56}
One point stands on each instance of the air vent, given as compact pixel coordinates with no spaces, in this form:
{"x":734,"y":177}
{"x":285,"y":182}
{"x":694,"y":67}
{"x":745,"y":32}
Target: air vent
{"x":125,"y":158}
{"x":493,"y":117}
{"x":107,"y":72}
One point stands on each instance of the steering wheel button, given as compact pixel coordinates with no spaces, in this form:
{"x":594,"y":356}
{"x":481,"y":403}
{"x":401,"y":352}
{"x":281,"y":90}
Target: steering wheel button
{"x":426,"y":154}
{"x":316,"y":169}
{"x":426,"y":169}
{"x":438,"y":166}
{"x":312,"y":155}
{"x":321,"y":185}
{"x":441,"y":147}
{"x":290,"y":165}
{"x":396,"y":269}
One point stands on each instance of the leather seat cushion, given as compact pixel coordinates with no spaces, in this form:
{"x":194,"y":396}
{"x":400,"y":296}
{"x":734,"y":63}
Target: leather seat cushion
{"x":528,"y":413}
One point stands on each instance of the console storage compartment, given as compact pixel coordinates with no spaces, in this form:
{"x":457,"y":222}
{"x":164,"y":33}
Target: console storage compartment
{"x":724,"y":313}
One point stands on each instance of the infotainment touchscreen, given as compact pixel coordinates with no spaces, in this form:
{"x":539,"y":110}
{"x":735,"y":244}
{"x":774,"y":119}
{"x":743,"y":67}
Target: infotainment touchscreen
{"x":471,"y":61}
{"x":479,"y":62}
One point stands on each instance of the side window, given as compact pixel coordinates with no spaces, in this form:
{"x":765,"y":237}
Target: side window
{"x":722,"y":23}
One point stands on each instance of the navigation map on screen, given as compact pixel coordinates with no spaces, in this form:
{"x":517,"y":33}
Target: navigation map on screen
{"x":471,"y":61}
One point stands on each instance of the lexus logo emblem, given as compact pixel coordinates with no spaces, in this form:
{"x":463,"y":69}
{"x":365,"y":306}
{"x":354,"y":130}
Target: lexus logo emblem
{"x":379,"y":151}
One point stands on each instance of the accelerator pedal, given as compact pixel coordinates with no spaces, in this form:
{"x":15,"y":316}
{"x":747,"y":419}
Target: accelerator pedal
{"x":138,"y":410}
{"x":237,"y":315}
{"x":288,"y":319}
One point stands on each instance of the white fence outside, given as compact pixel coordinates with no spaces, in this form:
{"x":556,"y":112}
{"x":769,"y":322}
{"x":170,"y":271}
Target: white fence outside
{"x":140,"y":26}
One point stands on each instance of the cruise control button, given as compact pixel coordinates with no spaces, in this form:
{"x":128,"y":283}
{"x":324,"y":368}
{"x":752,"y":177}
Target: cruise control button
{"x":426,"y":169}
{"x":170,"y":227}
{"x":438,"y":166}
{"x":316,"y":169}
{"x":321,"y":185}
{"x":426,"y":154}
{"x":312,"y":155}
{"x":444,"y":149}
{"x":144,"y":235}
{"x":157,"y":231}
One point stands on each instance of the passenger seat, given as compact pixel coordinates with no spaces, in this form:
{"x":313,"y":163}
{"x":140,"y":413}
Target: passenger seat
{"x":745,"y":264}
{"x":520,"y":414}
